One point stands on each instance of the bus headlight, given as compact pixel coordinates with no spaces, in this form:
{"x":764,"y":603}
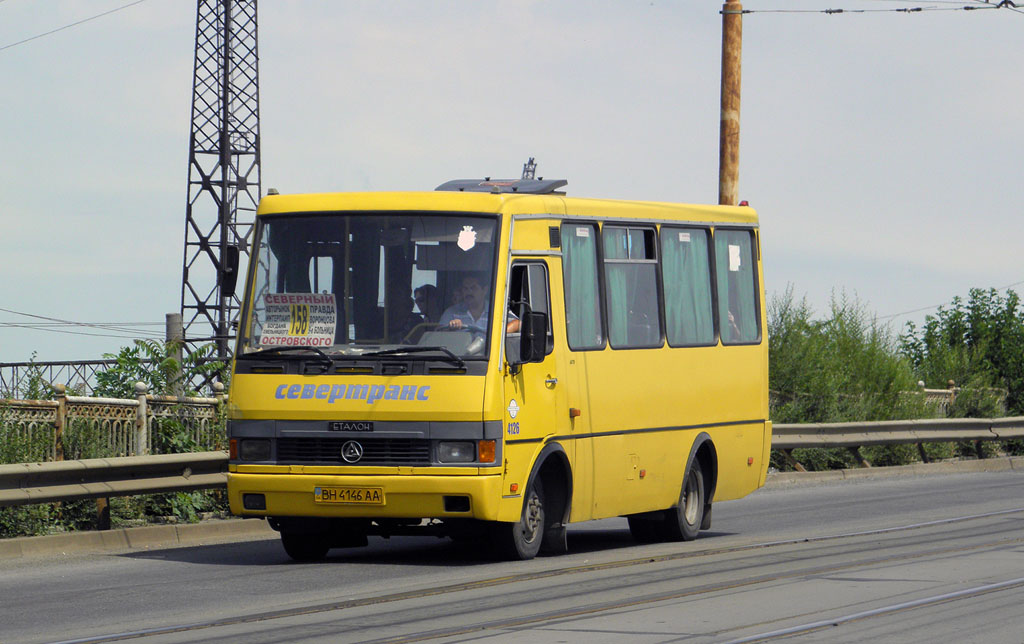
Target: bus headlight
{"x":456,"y":451}
{"x":254,"y":449}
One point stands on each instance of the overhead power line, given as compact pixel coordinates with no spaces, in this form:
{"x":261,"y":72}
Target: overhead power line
{"x":123,"y":336}
{"x":55,"y":325}
{"x":69,"y":26}
{"x":960,"y":6}
{"x":935,"y":306}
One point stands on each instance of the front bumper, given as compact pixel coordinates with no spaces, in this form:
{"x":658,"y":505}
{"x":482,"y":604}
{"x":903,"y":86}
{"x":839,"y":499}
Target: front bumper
{"x":406,"y":496}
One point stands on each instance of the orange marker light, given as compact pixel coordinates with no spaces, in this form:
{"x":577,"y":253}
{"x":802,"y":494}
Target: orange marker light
{"x":750,"y":460}
{"x":574,"y":412}
{"x":233,"y":449}
{"x":486,"y":451}
{"x":643,"y":473}
{"x":513,"y":488}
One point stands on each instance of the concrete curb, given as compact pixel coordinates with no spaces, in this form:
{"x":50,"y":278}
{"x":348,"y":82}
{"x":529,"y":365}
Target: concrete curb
{"x":1001,"y":464}
{"x":142,"y":538}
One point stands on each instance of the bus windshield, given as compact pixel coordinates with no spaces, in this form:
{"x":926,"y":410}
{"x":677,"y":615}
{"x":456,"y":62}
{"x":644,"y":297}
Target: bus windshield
{"x":364,"y":284}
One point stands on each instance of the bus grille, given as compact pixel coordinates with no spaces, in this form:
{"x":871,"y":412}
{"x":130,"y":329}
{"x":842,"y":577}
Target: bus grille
{"x":376,"y":451}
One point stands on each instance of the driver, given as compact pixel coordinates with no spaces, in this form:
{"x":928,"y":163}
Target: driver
{"x":471,"y":312}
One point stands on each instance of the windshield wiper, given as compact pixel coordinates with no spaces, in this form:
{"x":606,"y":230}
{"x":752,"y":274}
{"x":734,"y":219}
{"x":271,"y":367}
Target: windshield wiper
{"x":451,"y":357}
{"x":320,"y":357}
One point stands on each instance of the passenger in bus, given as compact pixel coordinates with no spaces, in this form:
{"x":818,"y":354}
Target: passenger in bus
{"x":735,"y":335}
{"x":402,"y":321}
{"x":428,"y":302}
{"x":455,"y":298}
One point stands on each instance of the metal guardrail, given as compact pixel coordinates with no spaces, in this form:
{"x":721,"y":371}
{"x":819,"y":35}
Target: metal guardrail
{"x":895,"y":432}
{"x":27,"y":483}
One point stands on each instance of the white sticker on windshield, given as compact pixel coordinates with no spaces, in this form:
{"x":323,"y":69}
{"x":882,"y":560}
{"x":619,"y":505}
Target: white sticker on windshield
{"x":734,"y":258}
{"x":684,"y":237}
{"x":299,"y":320}
{"x":467,"y":238}
{"x":583,"y":232}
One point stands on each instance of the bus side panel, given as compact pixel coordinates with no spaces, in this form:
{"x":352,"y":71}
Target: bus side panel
{"x":583,"y":465}
{"x":647,"y":406}
{"x":632,"y":394}
{"x":736,"y":391}
{"x":740,"y":449}
{"x":519,"y":462}
{"x":766,"y":453}
{"x":638,"y":473}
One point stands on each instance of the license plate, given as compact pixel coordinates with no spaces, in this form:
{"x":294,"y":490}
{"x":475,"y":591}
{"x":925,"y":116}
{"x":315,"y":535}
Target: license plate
{"x":364,"y":495}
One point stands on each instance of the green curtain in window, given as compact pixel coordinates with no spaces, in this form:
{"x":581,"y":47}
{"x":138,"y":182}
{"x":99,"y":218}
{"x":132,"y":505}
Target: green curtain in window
{"x":615,"y":247}
{"x":736,"y":285}
{"x":579,"y":265}
{"x":688,"y":309}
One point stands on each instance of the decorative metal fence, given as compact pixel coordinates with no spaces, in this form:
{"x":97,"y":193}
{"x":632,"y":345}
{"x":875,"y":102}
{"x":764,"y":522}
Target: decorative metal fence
{"x":941,"y":398}
{"x":76,"y":427}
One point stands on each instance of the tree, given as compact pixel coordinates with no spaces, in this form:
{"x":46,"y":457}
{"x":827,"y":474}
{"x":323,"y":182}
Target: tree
{"x":153,"y":363}
{"x":979,"y":344}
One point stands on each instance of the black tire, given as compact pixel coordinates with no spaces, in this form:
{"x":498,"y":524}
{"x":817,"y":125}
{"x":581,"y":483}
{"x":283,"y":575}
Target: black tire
{"x":521,"y":540}
{"x":305,"y":547}
{"x":682,"y":523}
{"x":644,"y":530}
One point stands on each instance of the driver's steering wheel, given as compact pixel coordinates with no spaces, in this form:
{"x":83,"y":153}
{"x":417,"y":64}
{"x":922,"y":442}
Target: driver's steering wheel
{"x":420,"y":328}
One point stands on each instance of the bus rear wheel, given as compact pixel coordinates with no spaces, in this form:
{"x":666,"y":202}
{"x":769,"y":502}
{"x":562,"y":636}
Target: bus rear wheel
{"x":644,"y":530}
{"x":521,"y":540}
{"x":305,"y":547}
{"x":682,"y":523}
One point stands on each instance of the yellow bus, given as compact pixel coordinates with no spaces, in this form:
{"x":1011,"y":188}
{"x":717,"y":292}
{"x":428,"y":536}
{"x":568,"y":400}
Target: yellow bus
{"x":372,"y":394}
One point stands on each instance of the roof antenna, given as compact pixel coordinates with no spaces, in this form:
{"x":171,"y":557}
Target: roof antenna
{"x":529,"y":169}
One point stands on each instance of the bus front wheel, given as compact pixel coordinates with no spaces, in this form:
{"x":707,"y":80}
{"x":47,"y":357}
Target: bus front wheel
{"x":682,"y":523}
{"x":521,"y":540}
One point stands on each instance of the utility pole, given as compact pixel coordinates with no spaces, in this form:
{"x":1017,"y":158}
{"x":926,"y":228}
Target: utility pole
{"x":729,"y":132}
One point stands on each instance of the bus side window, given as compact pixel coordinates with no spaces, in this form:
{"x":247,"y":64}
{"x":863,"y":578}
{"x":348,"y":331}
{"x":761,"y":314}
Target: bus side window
{"x":631,"y":287}
{"x":528,"y":292}
{"x":686,"y":278}
{"x":584,"y":326}
{"x":738,"y":307}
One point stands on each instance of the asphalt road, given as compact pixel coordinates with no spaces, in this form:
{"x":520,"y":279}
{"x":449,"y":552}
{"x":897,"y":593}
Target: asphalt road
{"x":916,"y":559}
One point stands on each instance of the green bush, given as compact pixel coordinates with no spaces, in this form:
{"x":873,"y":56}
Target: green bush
{"x":19,"y":445}
{"x":844,"y":368}
{"x":26,"y":520}
{"x":1013,"y":447}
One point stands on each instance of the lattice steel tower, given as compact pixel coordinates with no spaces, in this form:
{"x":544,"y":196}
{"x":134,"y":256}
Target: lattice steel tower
{"x":223,"y":168}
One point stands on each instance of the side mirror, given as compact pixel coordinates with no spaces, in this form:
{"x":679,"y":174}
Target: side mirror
{"x":534,"y":334}
{"x":229,"y":271}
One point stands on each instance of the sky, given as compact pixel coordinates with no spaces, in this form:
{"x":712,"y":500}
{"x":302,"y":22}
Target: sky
{"x":882,"y":150}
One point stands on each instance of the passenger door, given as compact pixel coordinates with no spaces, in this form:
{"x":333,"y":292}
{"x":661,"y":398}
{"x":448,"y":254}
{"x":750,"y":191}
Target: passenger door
{"x":535,"y":393}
